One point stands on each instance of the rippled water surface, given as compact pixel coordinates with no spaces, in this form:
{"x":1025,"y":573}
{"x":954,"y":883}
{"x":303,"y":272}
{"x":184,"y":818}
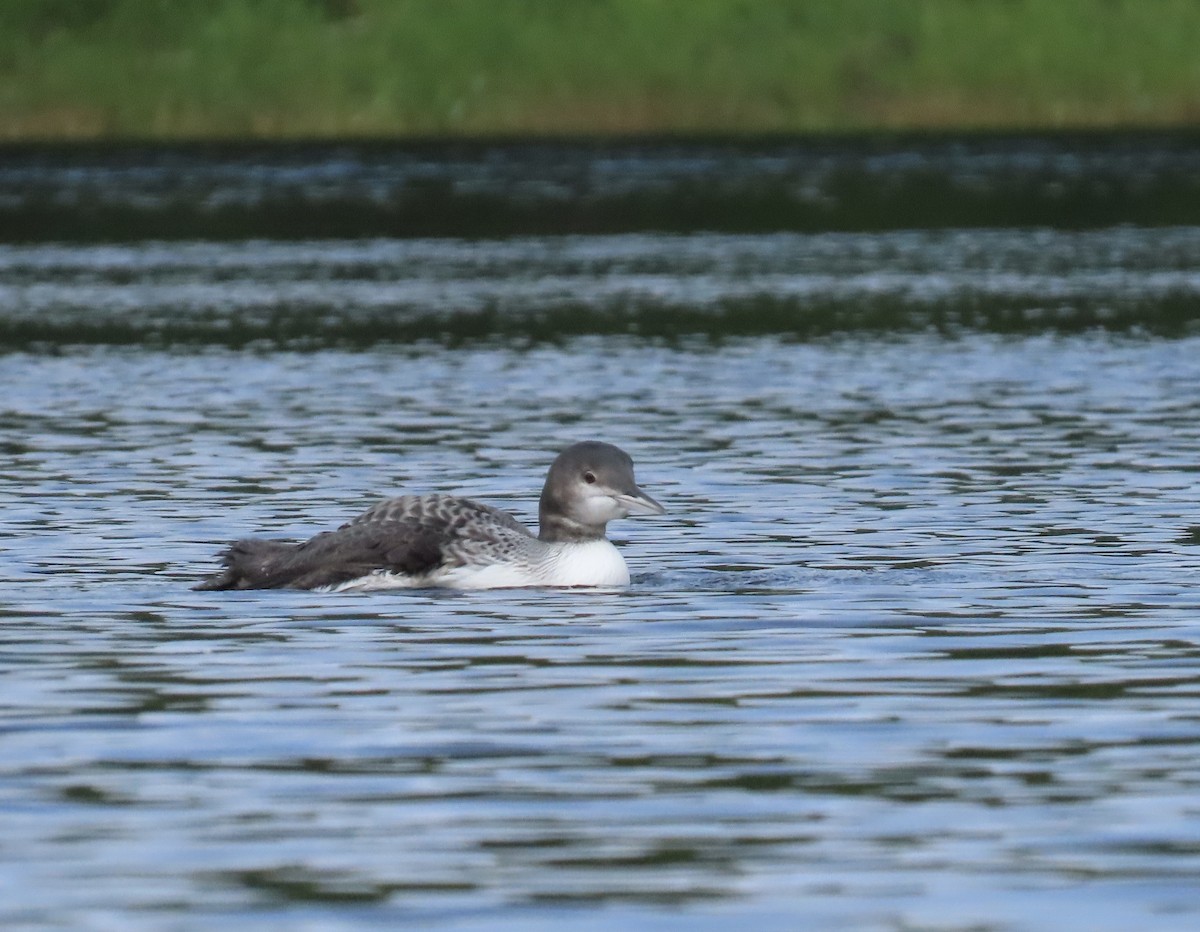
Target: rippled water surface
{"x":916,"y":646}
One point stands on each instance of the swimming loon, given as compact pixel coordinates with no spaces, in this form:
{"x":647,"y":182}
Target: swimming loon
{"x":440,"y":540}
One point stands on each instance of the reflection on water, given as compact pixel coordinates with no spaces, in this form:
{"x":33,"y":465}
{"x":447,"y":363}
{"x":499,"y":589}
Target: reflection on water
{"x":915,"y":647}
{"x":113,"y":194}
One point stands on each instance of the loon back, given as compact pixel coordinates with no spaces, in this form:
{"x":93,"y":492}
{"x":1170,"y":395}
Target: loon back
{"x":412,"y":536}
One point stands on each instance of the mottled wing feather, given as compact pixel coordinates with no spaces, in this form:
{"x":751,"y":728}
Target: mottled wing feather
{"x":443,"y":513}
{"x":413,"y":535}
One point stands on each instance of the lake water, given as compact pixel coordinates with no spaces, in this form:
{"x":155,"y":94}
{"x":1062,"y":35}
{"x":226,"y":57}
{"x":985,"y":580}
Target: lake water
{"x":917,"y":645}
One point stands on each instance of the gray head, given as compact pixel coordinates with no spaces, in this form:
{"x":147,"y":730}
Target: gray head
{"x":588,"y":485}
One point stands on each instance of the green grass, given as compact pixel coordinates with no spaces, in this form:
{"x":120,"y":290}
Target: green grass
{"x":177,"y":69}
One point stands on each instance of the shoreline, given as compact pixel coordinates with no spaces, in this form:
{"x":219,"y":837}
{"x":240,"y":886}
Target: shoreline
{"x":1160,"y":135}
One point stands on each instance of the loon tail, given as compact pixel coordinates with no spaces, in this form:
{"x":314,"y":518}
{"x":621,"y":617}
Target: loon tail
{"x":255,"y":564}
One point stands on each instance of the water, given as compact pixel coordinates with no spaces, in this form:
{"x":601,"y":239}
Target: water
{"x":916,"y":646}
{"x":305,"y":191}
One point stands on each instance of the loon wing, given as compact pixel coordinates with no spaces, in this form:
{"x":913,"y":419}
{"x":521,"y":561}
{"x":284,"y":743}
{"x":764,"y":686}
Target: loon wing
{"x":413,"y":535}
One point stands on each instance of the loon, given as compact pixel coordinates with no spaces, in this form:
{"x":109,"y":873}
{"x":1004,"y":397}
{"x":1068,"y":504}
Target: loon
{"x":443,"y":541}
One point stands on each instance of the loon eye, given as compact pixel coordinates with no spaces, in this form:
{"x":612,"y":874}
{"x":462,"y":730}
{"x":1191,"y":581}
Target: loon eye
{"x":589,"y":477}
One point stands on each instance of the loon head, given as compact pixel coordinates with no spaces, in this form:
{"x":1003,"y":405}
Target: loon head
{"x":590,"y":484}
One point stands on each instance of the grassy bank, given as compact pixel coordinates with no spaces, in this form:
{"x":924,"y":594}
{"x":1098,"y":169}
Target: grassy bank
{"x":174,"y":69}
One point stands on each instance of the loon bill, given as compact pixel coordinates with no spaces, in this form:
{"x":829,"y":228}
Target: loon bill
{"x":440,"y":540}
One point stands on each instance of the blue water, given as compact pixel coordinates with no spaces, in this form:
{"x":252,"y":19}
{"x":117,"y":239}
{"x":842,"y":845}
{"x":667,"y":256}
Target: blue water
{"x":917,"y":645}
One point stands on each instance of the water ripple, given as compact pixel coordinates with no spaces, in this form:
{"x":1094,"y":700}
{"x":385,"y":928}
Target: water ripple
{"x":916,"y":645}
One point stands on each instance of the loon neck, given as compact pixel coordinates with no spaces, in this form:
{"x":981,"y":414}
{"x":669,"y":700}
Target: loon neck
{"x":559,"y":529}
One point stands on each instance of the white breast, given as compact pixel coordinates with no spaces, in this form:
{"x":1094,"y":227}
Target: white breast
{"x":596,"y":563}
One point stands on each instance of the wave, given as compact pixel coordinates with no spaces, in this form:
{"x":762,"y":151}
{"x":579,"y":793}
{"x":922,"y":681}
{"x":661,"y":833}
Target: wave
{"x":313,"y":294}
